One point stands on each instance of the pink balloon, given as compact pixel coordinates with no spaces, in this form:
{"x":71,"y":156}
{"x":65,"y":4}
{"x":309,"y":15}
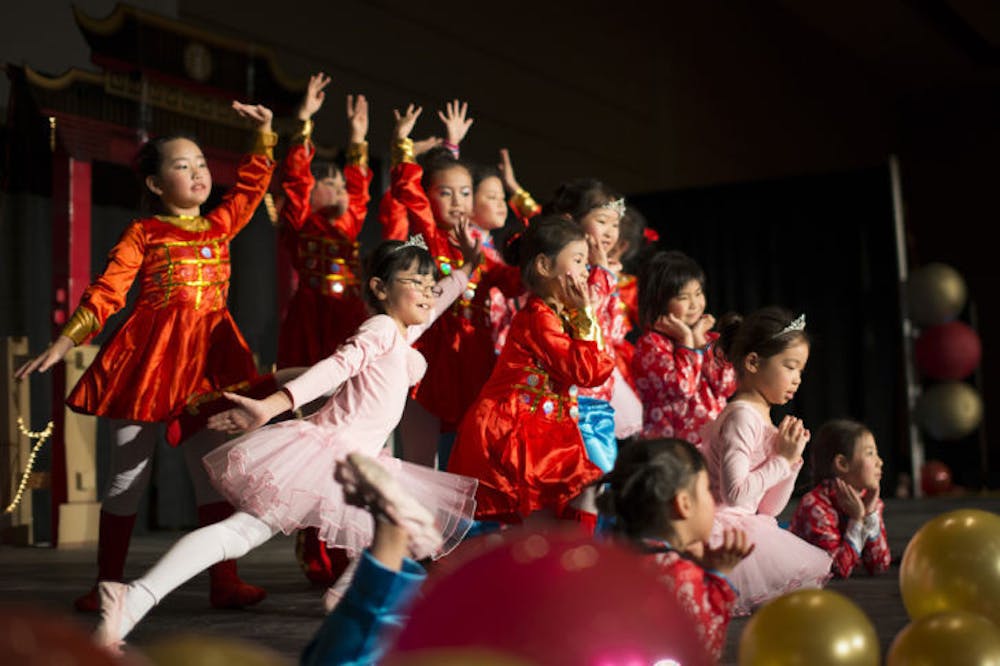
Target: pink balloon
{"x":553,"y":597}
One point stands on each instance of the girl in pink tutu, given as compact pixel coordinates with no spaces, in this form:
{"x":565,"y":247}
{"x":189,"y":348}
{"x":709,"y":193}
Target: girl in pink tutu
{"x":281,"y":478}
{"x":752,"y":465}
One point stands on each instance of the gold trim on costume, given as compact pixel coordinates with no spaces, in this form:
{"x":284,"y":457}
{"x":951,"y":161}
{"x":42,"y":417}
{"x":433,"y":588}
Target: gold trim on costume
{"x":402,"y":151}
{"x":82,"y":323}
{"x":357,"y":154}
{"x":583,"y":325}
{"x":522,"y":202}
{"x":264,"y":143}
{"x":304,"y":133}
{"x":186,"y":222}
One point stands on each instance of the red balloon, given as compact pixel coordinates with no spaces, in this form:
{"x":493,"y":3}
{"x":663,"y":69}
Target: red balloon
{"x":555,"y":597}
{"x":948,"y":352}
{"x":935,"y":478}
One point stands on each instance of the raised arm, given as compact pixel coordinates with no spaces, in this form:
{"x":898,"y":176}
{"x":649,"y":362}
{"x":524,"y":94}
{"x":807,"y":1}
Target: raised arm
{"x":297,"y":180}
{"x":253,"y":175}
{"x":357,"y":175}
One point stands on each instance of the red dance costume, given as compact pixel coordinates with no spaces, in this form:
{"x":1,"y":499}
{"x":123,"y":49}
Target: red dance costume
{"x":611,"y":319}
{"x":628,"y":296}
{"x":459,"y":346}
{"x":520,"y":438}
{"x":818,"y":520}
{"x":180,"y":340}
{"x":681,"y":389}
{"x":706,"y":596}
{"x":327,"y":307}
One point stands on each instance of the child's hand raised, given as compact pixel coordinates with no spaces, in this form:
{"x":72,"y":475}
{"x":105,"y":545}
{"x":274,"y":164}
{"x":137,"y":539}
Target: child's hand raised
{"x":258,"y":113}
{"x":422,"y":146}
{"x":313,"y":99}
{"x":674,"y":327}
{"x":455,"y":121}
{"x":849,"y":500}
{"x":406,"y":121}
{"x":723,"y":558}
{"x":507,"y":171}
{"x":792,"y":439}
{"x":357,"y":117}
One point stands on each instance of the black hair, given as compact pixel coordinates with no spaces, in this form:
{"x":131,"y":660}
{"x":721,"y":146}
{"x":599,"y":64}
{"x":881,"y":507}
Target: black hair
{"x":149,"y":161}
{"x":647,"y":476}
{"x":632,"y":233}
{"x":578,"y":197}
{"x":436,"y":160}
{"x":547,"y":235}
{"x":835,"y":437}
{"x":481,"y":172}
{"x":662,"y":278}
{"x":759,"y":333}
{"x":389,"y":258}
{"x":325,"y":169}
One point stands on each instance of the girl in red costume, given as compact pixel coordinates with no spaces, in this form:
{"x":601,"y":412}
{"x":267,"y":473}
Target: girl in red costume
{"x":658,"y":499}
{"x":178,"y":342}
{"x":683,"y":379}
{"x":521,"y":438}
{"x":320,"y":223}
{"x":459,"y":346}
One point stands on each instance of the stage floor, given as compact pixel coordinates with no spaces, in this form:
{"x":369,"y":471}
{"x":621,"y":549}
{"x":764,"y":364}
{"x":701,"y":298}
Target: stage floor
{"x":288,"y":617}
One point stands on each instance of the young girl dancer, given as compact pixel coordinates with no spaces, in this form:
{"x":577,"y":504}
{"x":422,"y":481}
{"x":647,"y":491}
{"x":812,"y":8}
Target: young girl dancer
{"x":752,"y":465}
{"x":179,"y":341}
{"x":682,"y":379}
{"x":843,"y":513}
{"x":520,"y":438}
{"x":459,"y":347}
{"x":282,"y":477}
{"x":658,"y":499}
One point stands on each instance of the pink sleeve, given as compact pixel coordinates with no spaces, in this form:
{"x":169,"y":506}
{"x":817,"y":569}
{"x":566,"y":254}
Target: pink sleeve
{"x":740,"y":485}
{"x":776,"y":497}
{"x":451,"y":287}
{"x":373,"y":338}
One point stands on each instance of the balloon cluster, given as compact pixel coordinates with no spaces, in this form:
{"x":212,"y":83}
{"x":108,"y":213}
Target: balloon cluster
{"x":950,"y":583}
{"x":946,"y":352}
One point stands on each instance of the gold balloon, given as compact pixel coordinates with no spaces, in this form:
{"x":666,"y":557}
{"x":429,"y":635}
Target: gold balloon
{"x":936,"y":294}
{"x":814,"y":627}
{"x":949,"y":411}
{"x":953,"y":563}
{"x":205,"y":650}
{"x":945,"y":639}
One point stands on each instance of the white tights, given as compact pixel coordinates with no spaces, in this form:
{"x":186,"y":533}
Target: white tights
{"x":196,"y":551}
{"x":133,"y":446}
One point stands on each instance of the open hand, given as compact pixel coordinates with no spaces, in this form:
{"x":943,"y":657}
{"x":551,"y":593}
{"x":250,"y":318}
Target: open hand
{"x":573,"y":291}
{"x":455,"y":121}
{"x":56,"y":352}
{"x":701,"y":328}
{"x":506,"y":168}
{"x":357,"y":117}
{"x":849,"y":500}
{"x":470,"y":245}
{"x":723,"y":558}
{"x":596,"y":256}
{"x":258,"y":113}
{"x":674,"y":327}
{"x":248,"y":414}
{"x":422,"y":146}
{"x":313,"y":99}
{"x":406,"y":121}
{"x":871,"y":499}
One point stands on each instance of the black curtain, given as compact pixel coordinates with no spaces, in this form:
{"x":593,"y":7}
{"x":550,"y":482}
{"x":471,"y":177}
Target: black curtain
{"x":819,"y":245}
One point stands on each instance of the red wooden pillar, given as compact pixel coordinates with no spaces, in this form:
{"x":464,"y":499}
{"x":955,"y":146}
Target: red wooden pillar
{"x":70,"y":276}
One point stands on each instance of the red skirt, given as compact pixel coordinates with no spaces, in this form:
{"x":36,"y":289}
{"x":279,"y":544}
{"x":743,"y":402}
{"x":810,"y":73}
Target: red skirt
{"x":316,"y":324}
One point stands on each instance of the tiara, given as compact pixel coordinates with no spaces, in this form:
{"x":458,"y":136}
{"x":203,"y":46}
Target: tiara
{"x":416,"y":240}
{"x":798,"y":324}
{"x":616,"y":206}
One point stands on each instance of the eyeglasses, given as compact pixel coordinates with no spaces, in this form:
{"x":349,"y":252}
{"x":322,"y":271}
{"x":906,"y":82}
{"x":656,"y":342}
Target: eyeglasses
{"x":419,"y":285}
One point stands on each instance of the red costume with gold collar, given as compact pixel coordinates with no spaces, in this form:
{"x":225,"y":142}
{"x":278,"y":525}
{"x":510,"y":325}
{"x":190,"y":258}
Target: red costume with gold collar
{"x":179,"y":340}
{"x":520,"y":438}
{"x":327,"y":306}
{"x":459,"y":346}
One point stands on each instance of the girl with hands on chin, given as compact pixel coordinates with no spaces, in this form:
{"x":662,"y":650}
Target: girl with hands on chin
{"x":842,"y":514}
{"x":658,"y":500}
{"x":680,"y":375}
{"x":752,"y":465}
{"x":179,"y":341}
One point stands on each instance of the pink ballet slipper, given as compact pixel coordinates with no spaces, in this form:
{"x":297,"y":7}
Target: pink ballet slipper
{"x":367,"y":483}
{"x":115,"y":620}
{"x":334,"y":593}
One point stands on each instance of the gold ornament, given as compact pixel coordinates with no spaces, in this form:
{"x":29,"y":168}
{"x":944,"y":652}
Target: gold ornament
{"x":42,"y":436}
{"x":953,"y":563}
{"x":949,"y":411}
{"x":944,"y":639}
{"x":815,"y":627}
{"x":936,"y":294}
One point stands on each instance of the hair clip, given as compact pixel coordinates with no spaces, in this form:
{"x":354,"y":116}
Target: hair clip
{"x":798,"y":324}
{"x":616,"y":206}
{"x":416,"y":240}
{"x":650,"y":234}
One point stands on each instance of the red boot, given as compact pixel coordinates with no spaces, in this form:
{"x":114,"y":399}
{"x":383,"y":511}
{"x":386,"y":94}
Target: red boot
{"x":199,"y":408}
{"x":113,"y":537}
{"x":227,"y":590}
{"x":585,"y":519}
{"x":321,"y":565}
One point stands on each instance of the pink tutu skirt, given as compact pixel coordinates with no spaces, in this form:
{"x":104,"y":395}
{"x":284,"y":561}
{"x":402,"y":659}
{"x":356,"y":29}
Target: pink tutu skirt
{"x":283,"y":475}
{"x":780,"y":562}
{"x":628,"y":408}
